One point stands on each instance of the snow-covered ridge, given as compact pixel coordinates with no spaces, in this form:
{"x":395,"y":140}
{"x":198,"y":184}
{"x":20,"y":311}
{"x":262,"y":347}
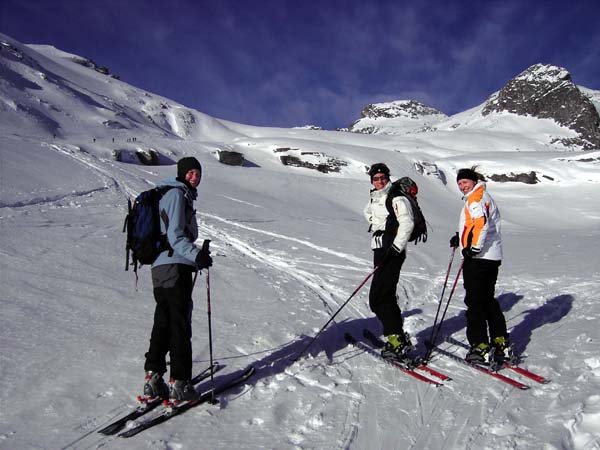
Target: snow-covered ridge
{"x":402,"y":108}
{"x":398,"y":117}
{"x":39,"y":78}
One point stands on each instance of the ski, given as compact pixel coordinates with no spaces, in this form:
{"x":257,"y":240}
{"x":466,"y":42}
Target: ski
{"x":183,"y":407}
{"x":407,"y":368}
{"x":419,"y":363}
{"x":119,"y":424}
{"x":484,"y":369}
{"x":508,"y":365}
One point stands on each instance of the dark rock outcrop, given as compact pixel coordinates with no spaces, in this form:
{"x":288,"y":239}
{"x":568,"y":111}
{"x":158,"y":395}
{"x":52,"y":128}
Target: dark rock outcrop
{"x":231,"y":158}
{"x":547,"y":92}
{"x":527,"y":178}
{"x":310,"y":160}
{"x":147,"y":157}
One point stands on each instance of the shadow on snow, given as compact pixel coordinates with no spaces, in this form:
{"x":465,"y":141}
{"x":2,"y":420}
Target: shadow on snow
{"x":332,"y":339}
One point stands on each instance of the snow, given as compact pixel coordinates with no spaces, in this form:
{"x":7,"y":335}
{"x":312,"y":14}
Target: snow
{"x":290,"y":245}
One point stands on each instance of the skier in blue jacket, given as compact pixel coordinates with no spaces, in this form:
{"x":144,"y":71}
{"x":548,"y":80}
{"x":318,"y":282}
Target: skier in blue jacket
{"x":172,"y":280}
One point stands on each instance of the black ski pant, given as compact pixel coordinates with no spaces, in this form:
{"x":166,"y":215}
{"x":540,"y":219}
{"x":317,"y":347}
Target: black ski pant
{"x":382,"y":296}
{"x":483,"y":310}
{"x":172,"y":329}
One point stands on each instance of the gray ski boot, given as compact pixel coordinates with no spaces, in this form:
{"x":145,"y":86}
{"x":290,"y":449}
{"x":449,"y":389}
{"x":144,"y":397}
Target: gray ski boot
{"x":182,"y":391}
{"x":155,"y":386}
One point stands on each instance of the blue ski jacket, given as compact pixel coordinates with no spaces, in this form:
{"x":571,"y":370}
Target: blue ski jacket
{"x":178,"y":222}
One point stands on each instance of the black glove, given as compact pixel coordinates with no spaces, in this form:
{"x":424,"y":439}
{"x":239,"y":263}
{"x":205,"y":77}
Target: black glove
{"x":454,"y":240}
{"x":470,"y":252}
{"x":203,"y":259}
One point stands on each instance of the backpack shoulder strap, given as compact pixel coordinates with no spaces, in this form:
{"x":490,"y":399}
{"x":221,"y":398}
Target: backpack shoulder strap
{"x":394,"y":192}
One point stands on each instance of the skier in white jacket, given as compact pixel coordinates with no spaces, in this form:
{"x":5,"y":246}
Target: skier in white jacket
{"x":481,"y":246}
{"x":389,"y":252}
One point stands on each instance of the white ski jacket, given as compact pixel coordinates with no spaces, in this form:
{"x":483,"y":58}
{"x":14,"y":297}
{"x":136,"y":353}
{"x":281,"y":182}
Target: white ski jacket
{"x":479,"y":225}
{"x":376,"y":214}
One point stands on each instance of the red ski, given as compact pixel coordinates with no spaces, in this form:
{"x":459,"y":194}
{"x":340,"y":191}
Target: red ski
{"x":407,"y":368}
{"x":508,"y":365}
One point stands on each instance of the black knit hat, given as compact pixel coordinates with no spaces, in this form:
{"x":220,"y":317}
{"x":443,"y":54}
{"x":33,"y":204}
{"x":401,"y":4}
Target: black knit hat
{"x":184,"y":165}
{"x":379,"y":168}
{"x":467,"y":174}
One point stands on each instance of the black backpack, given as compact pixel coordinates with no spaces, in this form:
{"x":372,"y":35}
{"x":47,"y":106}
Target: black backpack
{"x":406,"y":187}
{"x":142,"y":224}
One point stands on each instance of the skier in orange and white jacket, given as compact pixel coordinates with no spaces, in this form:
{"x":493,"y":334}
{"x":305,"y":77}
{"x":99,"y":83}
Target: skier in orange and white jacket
{"x":479,"y":224}
{"x":480,"y":240}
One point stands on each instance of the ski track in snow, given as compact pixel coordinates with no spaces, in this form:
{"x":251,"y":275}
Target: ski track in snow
{"x":331,"y":298}
{"x":482,"y":423}
{"x":284,"y":261}
{"x":307,"y":421}
{"x":345,"y":256}
{"x":329,"y":295}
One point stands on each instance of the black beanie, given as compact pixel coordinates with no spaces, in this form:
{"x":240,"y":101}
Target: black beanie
{"x":379,"y":168}
{"x":184,"y":165}
{"x":467,"y":174}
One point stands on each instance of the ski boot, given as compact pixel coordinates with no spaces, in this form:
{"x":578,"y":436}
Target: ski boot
{"x":397,"y":347}
{"x":182,"y":391}
{"x":502,"y":351}
{"x":154,"y":387}
{"x":478,"y":354}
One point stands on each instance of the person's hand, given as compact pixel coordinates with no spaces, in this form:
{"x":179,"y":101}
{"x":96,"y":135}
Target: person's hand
{"x":470,"y":252}
{"x":454,"y":240}
{"x":203,"y":259}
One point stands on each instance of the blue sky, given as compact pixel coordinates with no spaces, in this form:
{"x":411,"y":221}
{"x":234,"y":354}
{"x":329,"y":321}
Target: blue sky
{"x":290,"y":63}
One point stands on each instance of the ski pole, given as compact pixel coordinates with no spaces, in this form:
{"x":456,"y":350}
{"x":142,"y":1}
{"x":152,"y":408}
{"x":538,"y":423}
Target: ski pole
{"x":210,"y":347}
{"x":208,"y":312}
{"x":428,"y":343}
{"x":445,"y":310}
{"x":336,"y":313}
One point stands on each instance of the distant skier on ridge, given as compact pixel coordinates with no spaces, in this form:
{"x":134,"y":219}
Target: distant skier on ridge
{"x":481,"y":245}
{"x":389,"y":253}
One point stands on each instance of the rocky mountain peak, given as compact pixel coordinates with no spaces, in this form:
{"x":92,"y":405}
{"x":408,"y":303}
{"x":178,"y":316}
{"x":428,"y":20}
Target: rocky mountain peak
{"x":397,"y":117}
{"x":401,"y":108}
{"x":548,"y":92}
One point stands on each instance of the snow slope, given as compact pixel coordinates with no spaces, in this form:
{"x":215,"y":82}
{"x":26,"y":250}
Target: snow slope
{"x":289,"y":246}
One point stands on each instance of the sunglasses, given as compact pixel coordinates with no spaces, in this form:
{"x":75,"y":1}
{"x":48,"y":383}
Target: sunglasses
{"x":379,"y":178}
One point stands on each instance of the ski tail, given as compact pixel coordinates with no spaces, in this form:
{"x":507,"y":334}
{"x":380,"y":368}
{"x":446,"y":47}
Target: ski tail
{"x":484,"y":369}
{"x":508,"y":365}
{"x":420,"y":363}
{"x":119,"y":424}
{"x":205,"y":397}
{"x":406,"y":367}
